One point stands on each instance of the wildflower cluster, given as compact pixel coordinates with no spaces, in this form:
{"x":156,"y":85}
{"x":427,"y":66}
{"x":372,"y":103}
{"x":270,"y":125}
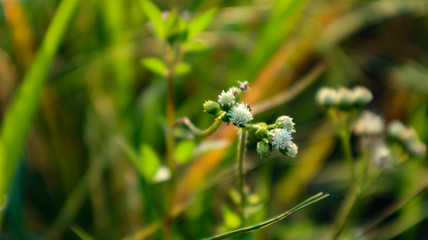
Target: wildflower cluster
{"x":344,"y":98}
{"x":229,"y":109}
{"x":278,"y":136}
{"x":407,"y":137}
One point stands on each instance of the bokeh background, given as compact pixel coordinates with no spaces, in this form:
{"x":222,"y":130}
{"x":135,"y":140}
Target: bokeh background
{"x":79,"y":137}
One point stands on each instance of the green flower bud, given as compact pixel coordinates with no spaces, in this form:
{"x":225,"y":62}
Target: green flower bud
{"x":263,"y":149}
{"x":262,"y":133}
{"x":212,"y":107}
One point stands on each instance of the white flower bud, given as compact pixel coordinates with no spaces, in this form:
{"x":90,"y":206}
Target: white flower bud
{"x":326,"y":97}
{"x":345,"y":98}
{"x":240,"y":116}
{"x":226,"y":99}
{"x":281,"y":138}
{"x":292,"y":150}
{"x":395,"y":128}
{"x":362,"y":96}
{"x":368,"y":123}
{"x":285,"y":122}
{"x":417,"y":148}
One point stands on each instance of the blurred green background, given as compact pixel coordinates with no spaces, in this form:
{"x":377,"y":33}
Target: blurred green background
{"x":83,"y":121}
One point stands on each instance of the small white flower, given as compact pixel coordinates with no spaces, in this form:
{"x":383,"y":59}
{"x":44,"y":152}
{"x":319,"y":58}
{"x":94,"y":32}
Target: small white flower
{"x":362,"y":95}
{"x":226,"y":98}
{"x":368,"y":124}
{"x":292,"y":150}
{"x":326,"y":97}
{"x":395,"y":128}
{"x":417,"y":148}
{"x":345,"y":97}
{"x":240,"y":115}
{"x":281,"y":138}
{"x":285,"y":122}
{"x":381,"y":156}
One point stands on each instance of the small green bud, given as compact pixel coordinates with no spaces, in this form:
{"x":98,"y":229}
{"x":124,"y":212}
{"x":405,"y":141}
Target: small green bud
{"x":212,"y":107}
{"x":262,"y":133}
{"x":236,"y":92}
{"x":263,"y":149}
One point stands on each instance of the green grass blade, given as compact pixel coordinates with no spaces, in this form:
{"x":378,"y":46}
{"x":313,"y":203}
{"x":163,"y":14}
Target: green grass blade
{"x":271,"y":221}
{"x":19,"y":116}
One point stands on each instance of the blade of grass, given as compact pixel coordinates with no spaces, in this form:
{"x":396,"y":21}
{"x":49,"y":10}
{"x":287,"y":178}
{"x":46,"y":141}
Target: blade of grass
{"x":19,"y":116}
{"x":271,"y":221}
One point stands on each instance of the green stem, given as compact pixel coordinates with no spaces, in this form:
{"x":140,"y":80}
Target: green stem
{"x":242,"y":134}
{"x":198,"y":132}
{"x":273,"y":220}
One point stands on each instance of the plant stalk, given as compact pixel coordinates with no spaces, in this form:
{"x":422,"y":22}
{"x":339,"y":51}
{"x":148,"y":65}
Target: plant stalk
{"x":242,"y":135}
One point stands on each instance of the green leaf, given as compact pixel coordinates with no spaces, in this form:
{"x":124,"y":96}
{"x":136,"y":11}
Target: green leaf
{"x":155,"y":16}
{"x":230,"y":219}
{"x":19,"y":116}
{"x":81,"y":233}
{"x":182,"y":68}
{"x":199,"y":23}
{"x":155,"y":65}
{"x":149,"y":161}
{"x":195,"y":47}
{"x":184,"y":151}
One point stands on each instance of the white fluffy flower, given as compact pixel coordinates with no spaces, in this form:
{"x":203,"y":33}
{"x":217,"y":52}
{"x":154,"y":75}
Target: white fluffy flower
{"x":362,"y":95}
{"x":285,"y":122}
{"x":326,"y":97}
{"x":368,"y":124}
{"x":240,"y":115}
{"x":292,"y":150}
{"x":345,"y":97}
{"x":226,"y":98}
{"x":281,"y":138}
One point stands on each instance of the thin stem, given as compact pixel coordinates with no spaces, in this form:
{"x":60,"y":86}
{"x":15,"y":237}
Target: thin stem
{"x":273,"y":220}
{"x":242,"y":134}
{"x":345,"y":211}
{"x":198,"y":132}
{"x":170,"y":62}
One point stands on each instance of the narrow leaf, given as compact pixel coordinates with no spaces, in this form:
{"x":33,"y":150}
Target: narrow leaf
{"x":199,"y":23}
{"x":155,"y":65}
{"x":155,"y":16}
{"x":182,"y":68}
{"x":81,"y":233}
{"x":184,"y":151}
{"x":19,"y":116}
{"x":149,"y":161}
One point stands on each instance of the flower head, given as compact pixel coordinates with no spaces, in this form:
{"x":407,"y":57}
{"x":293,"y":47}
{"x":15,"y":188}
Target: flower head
{"x":345,"y":98}
{"x":226,"y":99}
{"x":292,"y":150}
{"x":240,"y":115}
{"x":362,"y":96}
{"x":285,"y":122}
{"x":368,"y":124}
{"x":281,"y":138}
{"x":326,"y":97}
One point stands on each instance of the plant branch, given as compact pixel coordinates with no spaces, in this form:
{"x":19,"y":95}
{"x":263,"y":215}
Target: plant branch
{"x":273,"y":220}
